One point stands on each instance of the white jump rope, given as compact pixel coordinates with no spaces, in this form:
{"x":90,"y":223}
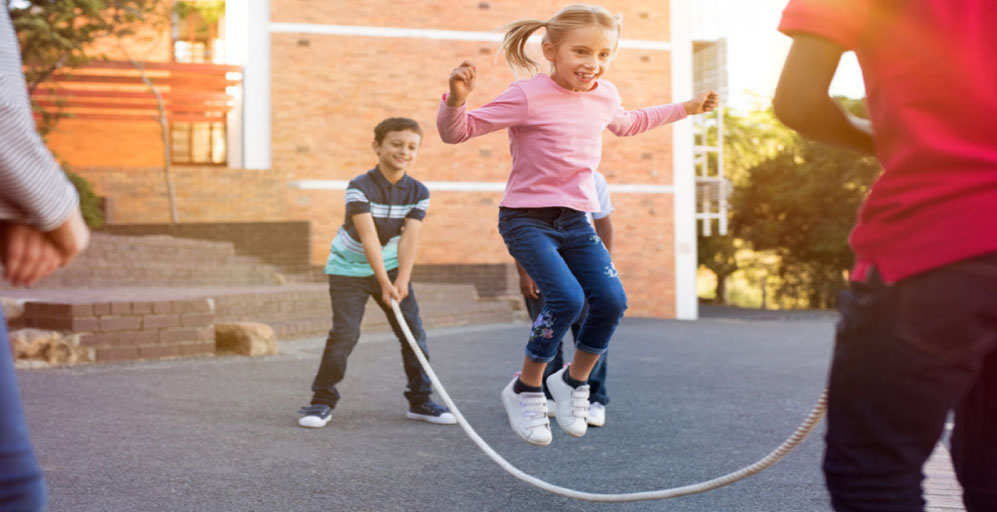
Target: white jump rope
{"x":787,"y":446}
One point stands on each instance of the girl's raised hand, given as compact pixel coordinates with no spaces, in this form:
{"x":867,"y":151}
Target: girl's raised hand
{"x":461,"y":83}
{"x":705,"y":101}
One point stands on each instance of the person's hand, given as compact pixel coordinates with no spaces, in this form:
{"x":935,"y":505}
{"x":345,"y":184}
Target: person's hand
{"x":71,"y":237}
{"x":528,"y":287}
{"x":705,"y":101}
{"x":388,"y":292}
{"x":27,"y":254}
{"x":461,"y":83}
{"x":401,"y":286}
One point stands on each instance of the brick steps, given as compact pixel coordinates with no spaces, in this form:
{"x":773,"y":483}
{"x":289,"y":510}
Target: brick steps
{"x":150,"y":297}
{"x":159,"y":260}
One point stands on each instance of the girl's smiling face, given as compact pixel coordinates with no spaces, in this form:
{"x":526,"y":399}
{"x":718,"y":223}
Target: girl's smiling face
{"x":582,"y":57}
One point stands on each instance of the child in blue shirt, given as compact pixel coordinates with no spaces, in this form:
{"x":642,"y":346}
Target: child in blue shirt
{"x":372,"y":256}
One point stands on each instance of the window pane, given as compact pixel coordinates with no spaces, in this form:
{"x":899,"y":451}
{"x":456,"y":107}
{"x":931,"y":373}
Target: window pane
{"x":180,"y":142}
{"x":218,"y":143}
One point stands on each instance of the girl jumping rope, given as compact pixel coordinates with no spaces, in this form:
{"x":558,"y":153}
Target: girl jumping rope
{"x":555,"y":124}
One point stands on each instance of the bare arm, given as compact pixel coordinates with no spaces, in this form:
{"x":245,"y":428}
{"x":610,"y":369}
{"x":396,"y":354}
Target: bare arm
{"x":407,"y":247}
{"x":802,"y":101}
{"x":372,"y":248}
{"x":526,"y":284}
{"x":604,"y":228}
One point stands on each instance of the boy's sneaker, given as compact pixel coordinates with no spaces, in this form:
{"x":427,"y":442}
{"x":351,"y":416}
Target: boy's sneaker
{"x":527,"y":415}
{"x":597,"y":414}
{"x":315,"y":415}
{"x":551,"y":408}
{"x":572,"y":404}
{"x":431,"y":412}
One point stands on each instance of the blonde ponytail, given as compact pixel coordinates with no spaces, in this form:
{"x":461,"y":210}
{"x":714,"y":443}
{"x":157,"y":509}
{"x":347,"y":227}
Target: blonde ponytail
{"x":518,"y":33}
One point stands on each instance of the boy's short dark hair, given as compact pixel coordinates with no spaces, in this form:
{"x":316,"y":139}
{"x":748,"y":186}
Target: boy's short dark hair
{"x":395,"y":124}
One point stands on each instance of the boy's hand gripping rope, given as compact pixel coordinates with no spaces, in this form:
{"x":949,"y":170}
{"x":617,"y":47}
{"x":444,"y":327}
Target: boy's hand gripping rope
{"x":787,"y":446}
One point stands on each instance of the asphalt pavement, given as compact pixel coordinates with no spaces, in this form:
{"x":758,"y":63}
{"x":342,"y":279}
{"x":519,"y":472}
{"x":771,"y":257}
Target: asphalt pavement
{"x":689,"y":401}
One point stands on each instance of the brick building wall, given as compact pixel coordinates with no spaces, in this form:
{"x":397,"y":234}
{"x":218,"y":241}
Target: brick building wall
{"x":138,"y":195}
{"x":329,"y":90}
{"x":120,"y":143}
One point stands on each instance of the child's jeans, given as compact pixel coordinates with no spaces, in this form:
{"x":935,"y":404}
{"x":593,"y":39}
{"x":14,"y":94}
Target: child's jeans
{"x":906,"y":355}
{"x":349,"y":299}
{"x":597,"y":377}
{"x":21,"y":484}
{"x":562,"y":253}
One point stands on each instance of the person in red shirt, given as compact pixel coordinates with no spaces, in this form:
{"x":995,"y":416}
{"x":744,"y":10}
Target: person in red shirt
{"x":918,"y":334}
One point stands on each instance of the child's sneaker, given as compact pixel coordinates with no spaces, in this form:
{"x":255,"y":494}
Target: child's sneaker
{"x":431,"y":412}
{"x":315,"y":415}
{"x":597,"y":414}
{"x":572,"y":404}
{"x":527,"y":415}
{"x":551,"y":408}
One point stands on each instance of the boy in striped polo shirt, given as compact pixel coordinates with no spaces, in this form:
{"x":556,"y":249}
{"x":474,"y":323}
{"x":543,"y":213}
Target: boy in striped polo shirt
{"x":372,"y":256}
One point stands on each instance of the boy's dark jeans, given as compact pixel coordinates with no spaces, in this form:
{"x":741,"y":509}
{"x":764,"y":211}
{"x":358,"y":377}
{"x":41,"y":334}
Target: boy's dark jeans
{"x":905,"y":356}
{"x":349,"y":298}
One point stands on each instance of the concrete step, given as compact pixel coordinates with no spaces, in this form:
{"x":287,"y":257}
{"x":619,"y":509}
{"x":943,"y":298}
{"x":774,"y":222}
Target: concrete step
{"x":159,"y":260}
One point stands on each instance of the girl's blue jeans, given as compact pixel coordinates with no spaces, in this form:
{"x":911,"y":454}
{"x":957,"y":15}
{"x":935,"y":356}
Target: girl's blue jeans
{"x":21,"y":485}
{"x":562,"y":253}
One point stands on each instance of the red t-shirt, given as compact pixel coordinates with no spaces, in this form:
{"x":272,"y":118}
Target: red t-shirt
{"x":930,"y":69}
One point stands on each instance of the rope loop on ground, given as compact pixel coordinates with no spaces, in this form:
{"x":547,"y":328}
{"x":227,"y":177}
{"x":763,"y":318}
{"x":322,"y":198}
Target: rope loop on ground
{"x":809,"y":423}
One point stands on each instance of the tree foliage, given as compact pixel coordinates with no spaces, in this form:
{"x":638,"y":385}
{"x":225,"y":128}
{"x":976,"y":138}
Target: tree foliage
{"x":59,"y":33}
{"x":801,"y":203}
{"x":749,"y":138}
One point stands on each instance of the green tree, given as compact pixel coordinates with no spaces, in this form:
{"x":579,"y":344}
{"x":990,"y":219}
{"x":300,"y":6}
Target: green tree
{"x":750,"y":137}
{"x":56,"y":34}
{"x":801,"y":204}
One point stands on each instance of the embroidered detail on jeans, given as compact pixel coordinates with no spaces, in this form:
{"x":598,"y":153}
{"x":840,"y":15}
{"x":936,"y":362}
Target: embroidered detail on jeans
{"x":611,"y":271}
{"x":543,"y":327}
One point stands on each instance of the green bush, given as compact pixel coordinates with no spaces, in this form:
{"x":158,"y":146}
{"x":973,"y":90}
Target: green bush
{"x":89,"y":202}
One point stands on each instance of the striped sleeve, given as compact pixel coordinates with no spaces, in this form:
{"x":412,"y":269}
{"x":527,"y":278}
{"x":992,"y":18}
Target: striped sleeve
{"x":418,"y":211}
{"x":33,"y":188}
{"x":356,"y":201}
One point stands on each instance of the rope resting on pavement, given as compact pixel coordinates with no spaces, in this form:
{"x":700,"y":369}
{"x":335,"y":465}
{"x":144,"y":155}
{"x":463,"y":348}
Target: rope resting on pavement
{"x":787,"y":446}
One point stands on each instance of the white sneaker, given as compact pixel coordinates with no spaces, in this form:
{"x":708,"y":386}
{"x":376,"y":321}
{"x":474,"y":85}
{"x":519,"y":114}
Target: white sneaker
{"x":551,"y":408}
{"x":597,"y":414}
{"x":572,"y":404}
{"x":314,"y":415}
{"x":527,"y":415}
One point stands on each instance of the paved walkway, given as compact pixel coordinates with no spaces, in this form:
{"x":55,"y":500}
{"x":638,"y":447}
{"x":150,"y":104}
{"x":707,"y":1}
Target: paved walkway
{"x":690,"y":401}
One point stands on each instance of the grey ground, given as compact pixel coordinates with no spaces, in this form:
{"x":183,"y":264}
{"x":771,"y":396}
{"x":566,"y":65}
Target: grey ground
{"x":690,"y":401}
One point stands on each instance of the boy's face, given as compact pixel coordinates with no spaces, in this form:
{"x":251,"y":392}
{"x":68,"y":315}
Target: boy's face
{"x":397,"y":150}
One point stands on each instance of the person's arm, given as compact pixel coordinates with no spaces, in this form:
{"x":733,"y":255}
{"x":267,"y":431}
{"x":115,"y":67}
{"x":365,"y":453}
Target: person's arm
{"x":802,"y":101}
{"x":364,"y":222}
{"x":634,"y":122}
{"x":604,"y":228}
{"x":407,"y":247}
{"x":526,"y":284}
{"x":27,"y":254}
{"x":455,"y":124}
{"x":35,"y":195}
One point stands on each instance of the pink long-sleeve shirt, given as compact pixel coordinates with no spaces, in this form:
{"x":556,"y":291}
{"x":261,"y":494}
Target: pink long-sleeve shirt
{"x":555,"y":136}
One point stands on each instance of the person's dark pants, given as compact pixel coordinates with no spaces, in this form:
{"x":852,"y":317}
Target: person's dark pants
{"x":22,"y":486}
{"x":349,"y":299}
{"x":906,"y":355}
{"x":597,"y":377}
